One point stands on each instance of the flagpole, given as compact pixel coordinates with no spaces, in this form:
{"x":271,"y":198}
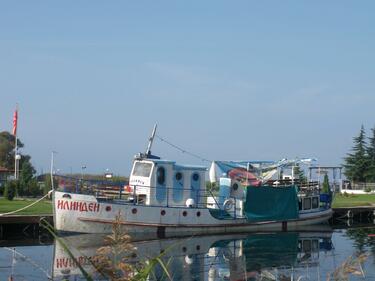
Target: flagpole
{"x":15,"y":159}
{"x":15,"y":124}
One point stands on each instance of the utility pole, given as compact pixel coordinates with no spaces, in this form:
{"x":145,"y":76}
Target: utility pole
{"x":52,"y":166}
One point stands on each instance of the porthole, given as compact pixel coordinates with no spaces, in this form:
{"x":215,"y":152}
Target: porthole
{"x":198,"y":214}
{"x":108,"y":208}
{"x":134,"y":211}
{"x":198,"y":247}
{"x":178,"y":176}
{"x":162,"y":212}
{"x":184,"y":213}
{"x":235,"y":186}
{"x":160,"y":174}
{"x":184,"y":249}
{"x":195,"y":177}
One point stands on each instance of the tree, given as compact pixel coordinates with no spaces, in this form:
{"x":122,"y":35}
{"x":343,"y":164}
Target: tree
{"x":299,"y":173}
{"x":26,"y":175}
{"x":370,"y":173}
{"x":356,"y":162}
{"x":7,"y":146}
{"x":325,"y":188}
{"x":10,"y":190}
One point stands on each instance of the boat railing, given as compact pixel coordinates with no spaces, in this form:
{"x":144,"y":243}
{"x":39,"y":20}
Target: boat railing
{"x":161,"y":196}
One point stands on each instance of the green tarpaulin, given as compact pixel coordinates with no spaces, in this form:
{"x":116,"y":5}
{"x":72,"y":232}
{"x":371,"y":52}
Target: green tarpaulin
{"x":267,"y":203}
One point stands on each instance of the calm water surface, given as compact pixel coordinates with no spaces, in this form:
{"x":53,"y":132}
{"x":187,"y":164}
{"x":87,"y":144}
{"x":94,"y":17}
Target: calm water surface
{"x":307,"y":255}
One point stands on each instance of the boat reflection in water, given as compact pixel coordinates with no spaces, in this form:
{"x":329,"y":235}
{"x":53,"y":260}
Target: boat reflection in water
{"x":255,"y":256}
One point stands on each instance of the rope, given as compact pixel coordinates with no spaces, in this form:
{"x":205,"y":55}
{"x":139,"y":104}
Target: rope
{"x":182,"y":150}
{"x":23,"y":208}
{"x":28,"y":259}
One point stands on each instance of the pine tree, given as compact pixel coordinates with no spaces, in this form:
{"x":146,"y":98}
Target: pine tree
{"x":299,"y":173}
{"x":356,"y":162}
{"x":370,"y":173}
{"x":325,"y":188}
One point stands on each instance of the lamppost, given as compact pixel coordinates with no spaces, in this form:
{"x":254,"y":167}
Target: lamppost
{"x":17,"y":172}
{"x":82,"y":168}
{"x":52,"y":166}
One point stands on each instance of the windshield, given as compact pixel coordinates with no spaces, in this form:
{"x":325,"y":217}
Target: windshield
{"x":142,"y":169}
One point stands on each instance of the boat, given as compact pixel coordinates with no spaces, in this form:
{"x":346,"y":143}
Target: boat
{"x":166,"y":199}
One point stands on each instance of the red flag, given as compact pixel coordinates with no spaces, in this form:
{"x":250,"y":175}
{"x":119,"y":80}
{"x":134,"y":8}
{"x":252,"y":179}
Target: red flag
{"x":15,"y":119}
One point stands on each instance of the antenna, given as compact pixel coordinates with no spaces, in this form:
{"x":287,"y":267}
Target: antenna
{"x":150,"y":140}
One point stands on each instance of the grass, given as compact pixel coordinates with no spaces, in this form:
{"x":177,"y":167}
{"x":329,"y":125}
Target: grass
{"x":44,"y":207}
{"x":349,"y":200}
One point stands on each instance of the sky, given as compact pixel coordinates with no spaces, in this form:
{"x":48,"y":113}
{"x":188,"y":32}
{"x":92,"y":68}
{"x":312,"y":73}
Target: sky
{"x":226,"y":80}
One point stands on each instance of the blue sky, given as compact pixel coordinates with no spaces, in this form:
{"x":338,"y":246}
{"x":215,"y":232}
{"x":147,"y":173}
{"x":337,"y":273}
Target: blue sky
{"x":223,"y":79}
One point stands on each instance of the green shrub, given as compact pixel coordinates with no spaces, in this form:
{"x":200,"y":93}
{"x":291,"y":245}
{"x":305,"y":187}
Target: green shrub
{"x":34,"y":188}
{"x":368,"y":189}
{"x":10,"y":190}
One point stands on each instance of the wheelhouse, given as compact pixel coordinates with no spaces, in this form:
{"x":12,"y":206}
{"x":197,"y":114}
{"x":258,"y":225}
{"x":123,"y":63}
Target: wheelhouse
{"x":165,"y":183}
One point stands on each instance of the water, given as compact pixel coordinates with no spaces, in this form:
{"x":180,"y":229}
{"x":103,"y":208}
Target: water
{"x":307,"y":255}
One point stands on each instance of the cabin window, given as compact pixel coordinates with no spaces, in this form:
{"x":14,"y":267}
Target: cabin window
{"x":195,"y":187}
{"x":178,"y":187}
{"x":161,"y":190}
{"x":142,"y":169}
{"x":306,"y":245}
{"x":178,"y":176}
{"x":306,"y":203}
{"x":195,"y":177}
{"x":160,"y":175}
{"x":315,"y":245}
{"x":315,"y":202}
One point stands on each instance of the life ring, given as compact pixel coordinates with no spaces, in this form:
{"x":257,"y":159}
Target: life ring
{"x":228,"y":204}
{"x":128,"y":189}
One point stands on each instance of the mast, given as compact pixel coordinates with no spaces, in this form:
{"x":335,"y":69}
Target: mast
{"x":150,"y":140}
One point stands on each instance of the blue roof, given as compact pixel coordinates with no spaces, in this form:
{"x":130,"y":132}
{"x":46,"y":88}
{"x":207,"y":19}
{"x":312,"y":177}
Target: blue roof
{"x":190,"y":167}
{"x":176,"y":166}
{"x":161,"y":161}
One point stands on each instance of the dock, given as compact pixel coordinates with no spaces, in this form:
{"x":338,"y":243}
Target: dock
{"x":27,"y":225}
{"x":359,"y":212}
{"x":25,"y":219}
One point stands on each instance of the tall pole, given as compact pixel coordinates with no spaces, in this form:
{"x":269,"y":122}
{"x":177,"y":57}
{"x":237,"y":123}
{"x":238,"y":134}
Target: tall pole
{"x":293,"y":174}
{"x":15,"y":121}
{"x":15,"y":158}
{"x":52,"y":165}
{"x":151,"y":139}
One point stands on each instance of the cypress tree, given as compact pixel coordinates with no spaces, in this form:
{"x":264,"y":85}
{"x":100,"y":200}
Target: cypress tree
{"x":325,"y":188}
{"x":299,"y":173}
{"x":370,"y":173}
{"x":356,"y":162}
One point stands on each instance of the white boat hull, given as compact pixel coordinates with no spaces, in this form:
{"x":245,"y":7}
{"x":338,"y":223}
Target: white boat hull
{"x":85,"y":214}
